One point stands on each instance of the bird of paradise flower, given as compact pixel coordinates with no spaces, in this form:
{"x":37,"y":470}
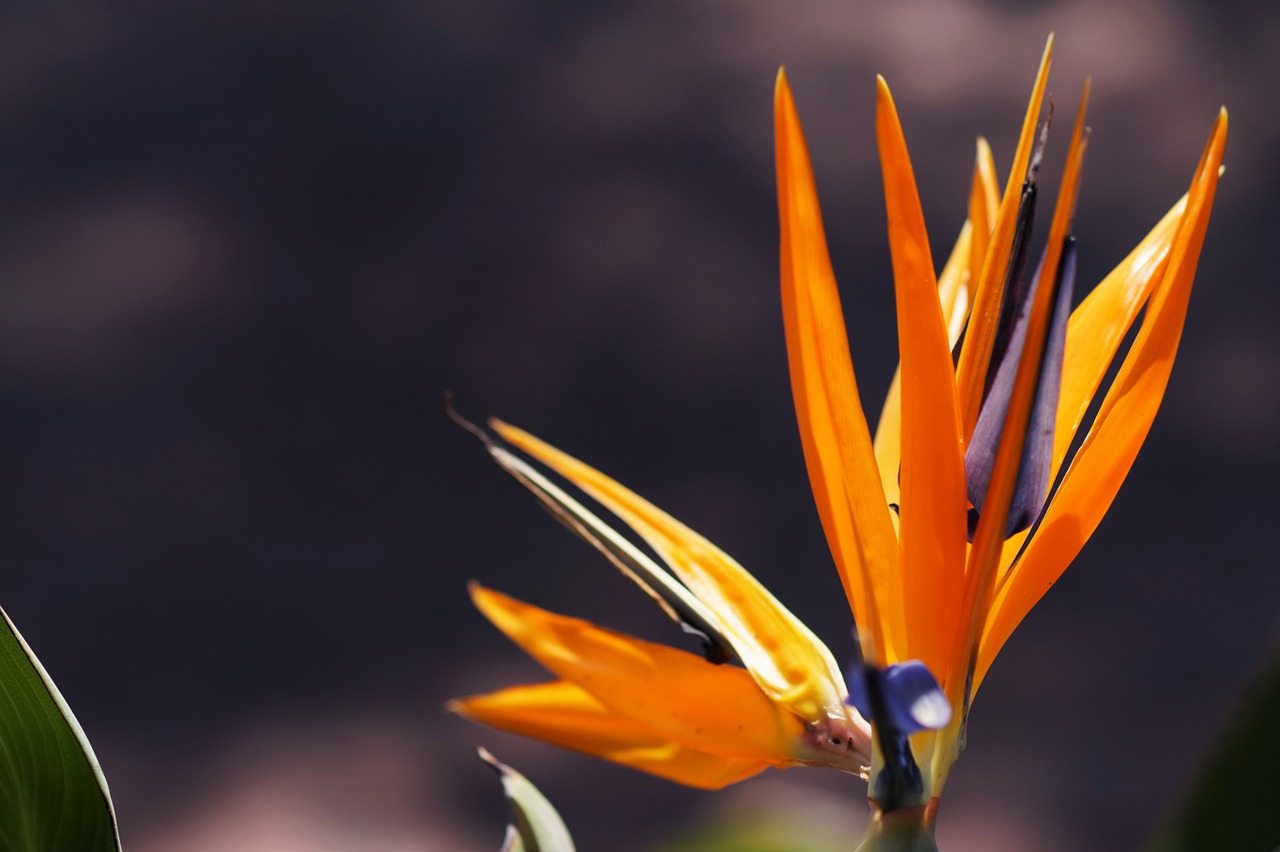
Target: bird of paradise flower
{"x":946,"y":527}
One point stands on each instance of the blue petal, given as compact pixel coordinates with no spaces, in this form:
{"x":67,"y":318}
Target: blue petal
{"x":858,"y":697}
{"x":914,"y":699}
{"x":907,"y":698}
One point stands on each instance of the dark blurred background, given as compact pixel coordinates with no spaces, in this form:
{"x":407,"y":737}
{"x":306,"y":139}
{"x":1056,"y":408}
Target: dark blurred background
{"x":245,"y":247}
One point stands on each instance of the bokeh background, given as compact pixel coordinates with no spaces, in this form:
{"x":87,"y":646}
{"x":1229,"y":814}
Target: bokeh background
{"x":245,"y":247}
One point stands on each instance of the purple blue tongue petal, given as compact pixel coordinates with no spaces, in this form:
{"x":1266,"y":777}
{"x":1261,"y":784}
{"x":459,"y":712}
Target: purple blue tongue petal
{"x":899,"y":700}
{"x":1037,"y":453}
{"x":909,"y":698}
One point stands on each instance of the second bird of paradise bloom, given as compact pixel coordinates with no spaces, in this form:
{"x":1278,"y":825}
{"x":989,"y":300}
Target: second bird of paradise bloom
{"x":946,"y":526}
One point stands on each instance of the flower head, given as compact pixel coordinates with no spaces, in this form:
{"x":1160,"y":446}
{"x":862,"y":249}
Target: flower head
{"x":946,"y":527}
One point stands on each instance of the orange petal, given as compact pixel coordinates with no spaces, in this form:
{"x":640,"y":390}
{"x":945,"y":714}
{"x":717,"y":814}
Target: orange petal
{"x":988,"y":540}
{"x":680,"y":696}
{"x":789,"y":663}
{"x":955,"y":284}
{"x":932,"y":518}
{"x":833,"y":428}
{"x":564,"y":714}
{"x":975,"y":355}
{"x":1101,"y":321}
{"x":1097,"y":327}
{"x":1121,"y":425}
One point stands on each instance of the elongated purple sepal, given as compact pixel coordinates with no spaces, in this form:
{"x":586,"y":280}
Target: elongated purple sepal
{"x":1032,"y":484}
{"x":1015,"y":283}
{"x":980,"y":457}
{"x":1037,"y":453}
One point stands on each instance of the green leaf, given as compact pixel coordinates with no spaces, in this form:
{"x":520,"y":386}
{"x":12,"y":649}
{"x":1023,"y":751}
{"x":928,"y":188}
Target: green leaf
{"x":53,"y":796}
{"x":535,"y":825}
{"x":1234,"y":802}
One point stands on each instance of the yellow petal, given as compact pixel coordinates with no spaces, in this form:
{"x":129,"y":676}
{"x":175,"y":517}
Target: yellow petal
{"x":680,"y":696}
{"x":564,"y":714}
{"x":953,"y":285}
{"x":833,"y":428}
{"x":984,"y":208}
{"x":975,"y":355}
{"x":789,"y":663}
{"x":1108,"y":451}
{"x":932,"y":517}
{"x":888,"y":441}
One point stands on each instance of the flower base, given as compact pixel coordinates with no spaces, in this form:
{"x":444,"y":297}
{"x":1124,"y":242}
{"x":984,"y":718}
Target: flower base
{"x":901,"y":830}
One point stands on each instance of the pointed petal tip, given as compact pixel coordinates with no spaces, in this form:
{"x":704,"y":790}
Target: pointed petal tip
{"x":487,"y":756}
{"x":781,"y":90}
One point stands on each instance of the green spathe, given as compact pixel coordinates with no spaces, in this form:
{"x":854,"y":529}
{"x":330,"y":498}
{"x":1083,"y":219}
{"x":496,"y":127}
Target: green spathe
{"x":535,"y":825}
{"x":53,"y":796}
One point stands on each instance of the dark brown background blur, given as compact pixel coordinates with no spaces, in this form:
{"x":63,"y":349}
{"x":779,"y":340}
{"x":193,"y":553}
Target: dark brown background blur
{"x":244,"y":247}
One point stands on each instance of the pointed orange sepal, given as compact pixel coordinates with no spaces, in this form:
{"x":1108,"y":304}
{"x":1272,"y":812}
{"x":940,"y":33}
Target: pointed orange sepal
{"x":833,"y":428}
{"x":682,"y":697}
{"x":564,"y":714}
{"x":931,"y":520}
{"x":955,"y":291}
